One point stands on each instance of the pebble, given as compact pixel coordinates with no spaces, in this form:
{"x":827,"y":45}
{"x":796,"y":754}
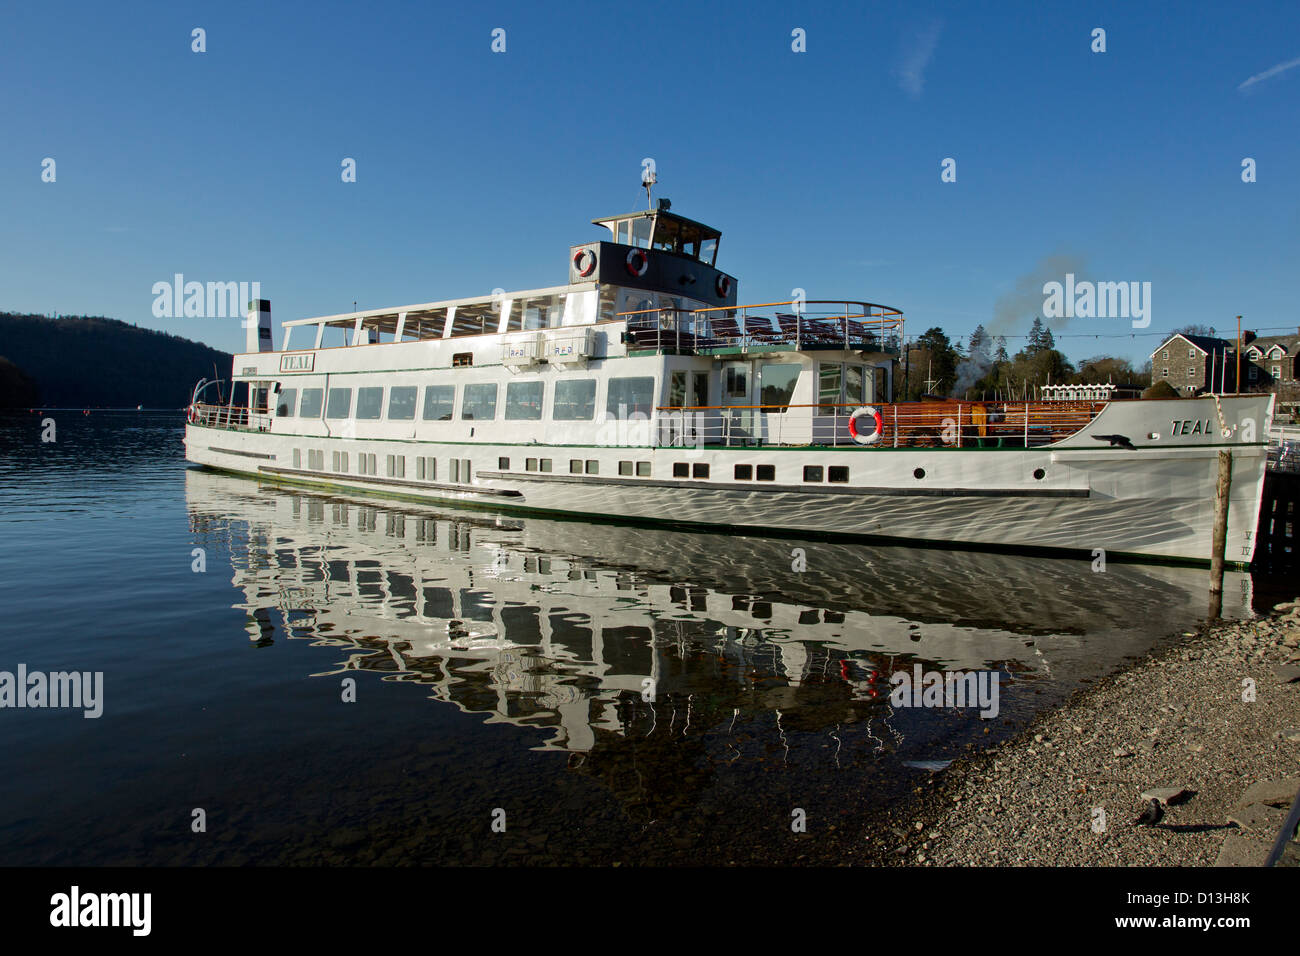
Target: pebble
{"x":1022,"y":803}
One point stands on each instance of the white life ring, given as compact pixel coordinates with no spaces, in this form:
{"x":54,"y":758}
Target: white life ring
{"x":584,"y":262}
{"x":870,"y":438}
{"x":723,"y":286}
{"x":637,"y":262}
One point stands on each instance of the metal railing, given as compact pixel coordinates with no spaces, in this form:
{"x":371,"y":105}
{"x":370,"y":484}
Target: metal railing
{"x":233,"y":417}
{"x":905,"y":425}
{"x":849,"y":325}
{"x":1284,"y":455}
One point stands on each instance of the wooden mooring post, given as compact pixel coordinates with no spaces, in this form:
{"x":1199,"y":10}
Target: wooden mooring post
{"x":1222,"y":488}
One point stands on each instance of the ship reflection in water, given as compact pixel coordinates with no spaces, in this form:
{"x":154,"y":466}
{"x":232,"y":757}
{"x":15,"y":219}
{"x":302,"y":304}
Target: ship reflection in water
{"x":679,"y":656}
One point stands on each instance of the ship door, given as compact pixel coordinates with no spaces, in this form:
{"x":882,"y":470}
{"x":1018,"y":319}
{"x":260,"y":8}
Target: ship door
{"x":688,"y":396}
{"x":738,"y":422}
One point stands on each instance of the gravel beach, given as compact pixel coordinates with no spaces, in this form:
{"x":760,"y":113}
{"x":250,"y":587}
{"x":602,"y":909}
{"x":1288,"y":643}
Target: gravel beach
{"x":1210,"y":727}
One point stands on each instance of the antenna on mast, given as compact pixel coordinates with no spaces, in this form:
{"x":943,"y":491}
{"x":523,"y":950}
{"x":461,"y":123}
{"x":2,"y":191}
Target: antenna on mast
{"x":648,"y":180}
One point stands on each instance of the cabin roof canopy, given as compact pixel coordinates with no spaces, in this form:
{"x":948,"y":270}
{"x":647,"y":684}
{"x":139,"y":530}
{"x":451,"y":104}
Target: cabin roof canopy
{"x":470,"y":310}
{"x":665,"y":231}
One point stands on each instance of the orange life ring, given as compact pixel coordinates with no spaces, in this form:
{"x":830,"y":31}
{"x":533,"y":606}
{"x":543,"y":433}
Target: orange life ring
{"x":869,"y":438}
{"x":584,"y":255}
{"x":637,"y":262}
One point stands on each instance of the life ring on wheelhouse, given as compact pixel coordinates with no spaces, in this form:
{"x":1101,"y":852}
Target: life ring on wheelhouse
{"x":723,"y":286}
{"x":866,"y":438}
{"x":637,"y":262}
{"x":584,"y":262}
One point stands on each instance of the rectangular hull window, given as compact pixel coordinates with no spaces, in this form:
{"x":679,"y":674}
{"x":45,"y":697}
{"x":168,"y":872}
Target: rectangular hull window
{"x":776,"y":384}
{"x":630,"y":396}
{"x":311,"y":403}
{"x":524,"y":401}
{"x":340,"y":403}
{"x":575,"y":400}
{"x":438,"y":401}
{"x":370,"y":403}
{"x":401,"y":403}
{"x":479,"y":403}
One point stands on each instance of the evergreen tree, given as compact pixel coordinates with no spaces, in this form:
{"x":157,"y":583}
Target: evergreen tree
{"x":1040,"y":338}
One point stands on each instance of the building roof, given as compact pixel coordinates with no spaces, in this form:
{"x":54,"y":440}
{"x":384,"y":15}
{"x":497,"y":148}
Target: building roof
{"x":1205,"y":343}
{"x":1290,"y":343}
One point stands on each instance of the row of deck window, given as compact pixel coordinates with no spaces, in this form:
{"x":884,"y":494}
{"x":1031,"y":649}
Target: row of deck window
{"x":572,"y":400}
{"x":426,"y":468}
{"x":460,"y":470}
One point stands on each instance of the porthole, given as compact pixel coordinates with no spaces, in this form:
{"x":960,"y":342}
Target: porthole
{"x":1039,"y":474}
{"x":918,"y":473}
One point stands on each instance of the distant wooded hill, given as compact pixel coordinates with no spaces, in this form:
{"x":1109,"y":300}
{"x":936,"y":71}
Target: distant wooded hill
{"x":94,"y":361}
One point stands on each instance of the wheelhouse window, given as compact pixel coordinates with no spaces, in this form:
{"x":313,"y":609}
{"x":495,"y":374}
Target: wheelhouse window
{"x":630,"y":396}
{"x":776,"y":385}
{"x":641,"y":231}
{"x":575,"y":400}
{"x":479,"y":403}
{"x":401,"y":403}
{"x":370,"y":403}
{"x":438,"y":402}
{"x":340,"y":403}
{"x":311,"y":403}
{"x":524,"y":401}
{"x":284,"y":405}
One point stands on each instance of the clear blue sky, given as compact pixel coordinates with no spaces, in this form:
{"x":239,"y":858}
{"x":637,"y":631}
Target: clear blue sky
{"x":822,"y":169}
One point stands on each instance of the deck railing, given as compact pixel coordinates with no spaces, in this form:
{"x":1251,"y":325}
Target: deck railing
{"x":809,"y":324}
{"x":945,"y":424}
{"x":905,"y":425}
{"x":232,"y":417}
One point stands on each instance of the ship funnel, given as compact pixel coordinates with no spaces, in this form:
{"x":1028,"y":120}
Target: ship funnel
{"x":257,"y":328}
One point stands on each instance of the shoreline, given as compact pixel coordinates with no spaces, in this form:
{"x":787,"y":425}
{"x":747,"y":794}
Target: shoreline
{"x":1066,"y":789}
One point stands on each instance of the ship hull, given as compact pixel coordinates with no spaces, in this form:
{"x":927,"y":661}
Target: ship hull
{"x":1083,"y":495}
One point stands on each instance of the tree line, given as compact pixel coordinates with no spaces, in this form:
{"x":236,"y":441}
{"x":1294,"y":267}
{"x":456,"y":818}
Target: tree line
{"x":92,"y":361}
{"x":986,"y":370}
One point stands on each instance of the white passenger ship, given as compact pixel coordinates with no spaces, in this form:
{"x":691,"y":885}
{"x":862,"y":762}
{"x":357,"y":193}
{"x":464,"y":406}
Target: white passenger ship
{"x":641,"y":390}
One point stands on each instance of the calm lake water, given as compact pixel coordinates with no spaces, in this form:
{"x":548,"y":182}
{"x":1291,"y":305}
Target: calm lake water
{"x":500,"y":668}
